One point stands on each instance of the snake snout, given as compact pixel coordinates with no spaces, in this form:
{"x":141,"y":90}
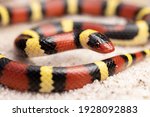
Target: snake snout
{"x":106,"y":48}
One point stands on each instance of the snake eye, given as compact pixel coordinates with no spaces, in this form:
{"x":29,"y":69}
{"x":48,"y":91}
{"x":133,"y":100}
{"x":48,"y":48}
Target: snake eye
{"x":97,"y":44}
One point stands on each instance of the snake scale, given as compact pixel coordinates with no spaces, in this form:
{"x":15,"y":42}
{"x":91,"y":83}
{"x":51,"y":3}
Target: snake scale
{"x":65,"y":35}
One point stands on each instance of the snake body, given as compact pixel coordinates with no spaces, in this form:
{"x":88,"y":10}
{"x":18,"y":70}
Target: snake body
{"x":65,"y":35}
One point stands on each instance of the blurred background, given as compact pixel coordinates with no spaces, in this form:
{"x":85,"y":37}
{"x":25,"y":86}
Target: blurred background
{"x":140,"y":2}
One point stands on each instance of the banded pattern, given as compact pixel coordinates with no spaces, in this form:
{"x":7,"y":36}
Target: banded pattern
{"x":131,"y":34}
{"x":57,"y":79}
{"x":67,"y":35}
{"x":34,"y":44}
{"x":37,"y":10}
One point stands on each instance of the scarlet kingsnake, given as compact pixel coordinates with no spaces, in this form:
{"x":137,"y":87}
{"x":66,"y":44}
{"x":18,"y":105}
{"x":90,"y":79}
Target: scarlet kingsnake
{"x":46,"y":39}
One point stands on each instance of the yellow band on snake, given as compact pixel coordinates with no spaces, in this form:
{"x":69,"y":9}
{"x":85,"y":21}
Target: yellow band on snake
{"x":36,"y":9}
{"x":4,"y":15}
{"x":72,"y":6}
{"x":111,"y":7}
{"x":103,"y":70}
{"x":46,"y":79}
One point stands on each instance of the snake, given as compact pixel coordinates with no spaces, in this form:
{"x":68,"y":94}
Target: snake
{"x":59,"y":36}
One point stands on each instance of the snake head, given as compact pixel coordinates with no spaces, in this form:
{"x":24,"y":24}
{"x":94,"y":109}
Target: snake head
{"x":97,"y":42}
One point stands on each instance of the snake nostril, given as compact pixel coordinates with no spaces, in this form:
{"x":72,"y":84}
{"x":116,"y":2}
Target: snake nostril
{"x":97,"y":44}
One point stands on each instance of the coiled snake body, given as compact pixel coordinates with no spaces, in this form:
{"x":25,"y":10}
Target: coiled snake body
{"x":46,"y":39}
